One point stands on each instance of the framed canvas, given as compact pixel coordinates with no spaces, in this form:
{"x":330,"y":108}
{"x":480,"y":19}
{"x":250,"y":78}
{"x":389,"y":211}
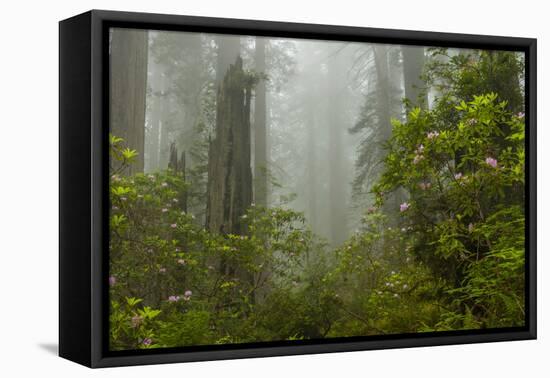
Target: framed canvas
{"x":235,"y":188}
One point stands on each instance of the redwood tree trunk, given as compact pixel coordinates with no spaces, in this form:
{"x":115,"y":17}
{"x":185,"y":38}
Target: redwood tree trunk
{"x":228,"y":51}
{"x":155,"y":107}
{"x":229,"y":189}
{"x":413,"y":63}
{"x":383,"y":105}
{"x":260,"y":129}
{"x":128,"y":86}
{"x":384,"y":110}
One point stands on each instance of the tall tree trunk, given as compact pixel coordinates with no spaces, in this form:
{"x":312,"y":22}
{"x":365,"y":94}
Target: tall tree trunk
{"x":337,"y":195}
{"x":229,"y":174}
{"x":384,"y":112}
{"x":128,"y":87}
{"x":229,"y":48}
{"x":413,"y":64}
{"x":164,"y":138}
{"x":260,"y":129}
{"x":155,"y":99}
{"x":191,"y":98}
{"x":383,"y":89}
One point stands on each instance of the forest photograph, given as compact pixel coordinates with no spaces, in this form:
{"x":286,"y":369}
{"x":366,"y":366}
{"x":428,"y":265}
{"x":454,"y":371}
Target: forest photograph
{"x":267,"y":189}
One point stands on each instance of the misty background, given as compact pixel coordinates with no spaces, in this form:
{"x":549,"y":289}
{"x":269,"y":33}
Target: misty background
{"x":320,"y":114}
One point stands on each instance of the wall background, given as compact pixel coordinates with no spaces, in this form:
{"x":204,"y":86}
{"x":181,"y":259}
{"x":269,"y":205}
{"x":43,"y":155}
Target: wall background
{"x":29,"y":188}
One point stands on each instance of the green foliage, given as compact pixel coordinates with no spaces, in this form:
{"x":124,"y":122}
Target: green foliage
{"x":123,"y":155}
{"x":205,"y":285}
{"x":465,"y":208}
{"x":132,"y":326}
{"x":473,"y":72}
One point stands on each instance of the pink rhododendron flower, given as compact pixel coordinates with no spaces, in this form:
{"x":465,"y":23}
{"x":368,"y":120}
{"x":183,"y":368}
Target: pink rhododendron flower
{"x":458,"y":176}
{"x":173,"y":225}
{"x":112,"y":280}
{"x":404,"y":206}
{"x":521,"y":114}
{"x":187,"y":295}
{"x":432,"y":135}
{"x":147,"y":341}
{"x":492,"y":162}
{"x":173,"y":298}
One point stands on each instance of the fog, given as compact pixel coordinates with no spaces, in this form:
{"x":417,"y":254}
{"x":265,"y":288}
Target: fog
{"x":320,"y":112}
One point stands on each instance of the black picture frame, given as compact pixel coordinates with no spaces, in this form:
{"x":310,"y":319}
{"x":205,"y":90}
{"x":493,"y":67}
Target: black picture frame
{"x":83,"y":181}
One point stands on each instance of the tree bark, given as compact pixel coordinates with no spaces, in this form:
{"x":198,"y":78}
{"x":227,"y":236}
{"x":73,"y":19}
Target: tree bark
{"x":229,"y":48}
{"x":413,"y":64}
{"x":192,"y":86}
{"x":128,"y":87}
{"x":260,"y":129}
{"x":383,"y":104}
{"x":155,"y":99}
{"x":384,"y":109}
{"x":229,"y":189}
